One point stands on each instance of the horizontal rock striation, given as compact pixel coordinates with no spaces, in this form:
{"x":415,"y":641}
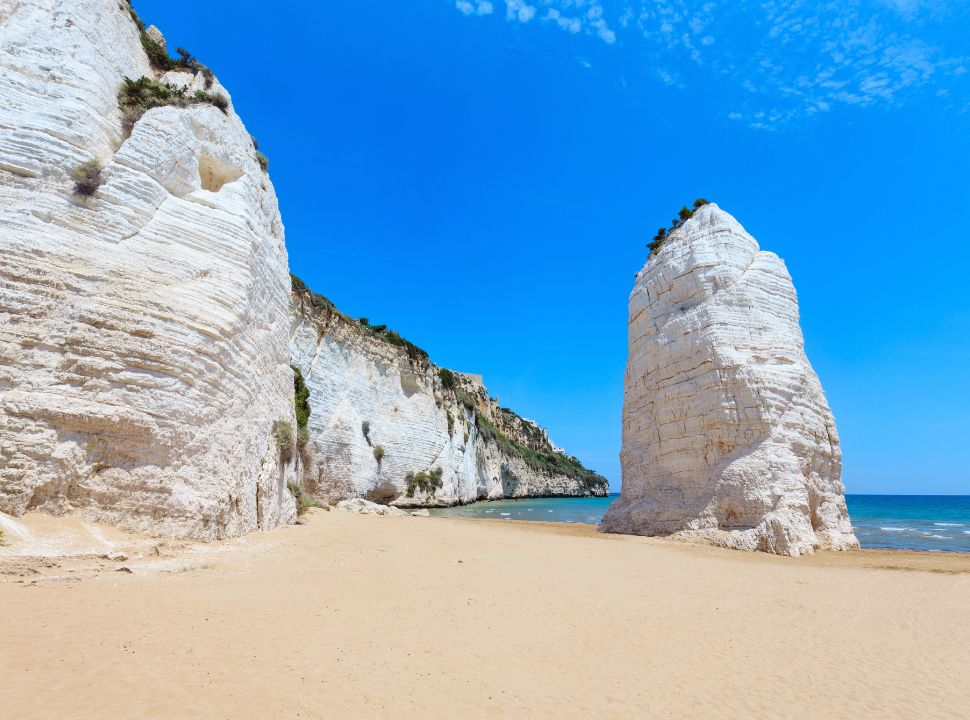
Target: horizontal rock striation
{"x":143,"y":329}
{"x":727,"y":435}
{"x":369,"y":392}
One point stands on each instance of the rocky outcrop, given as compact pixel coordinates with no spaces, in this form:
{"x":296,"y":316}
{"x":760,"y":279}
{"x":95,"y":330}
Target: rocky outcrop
{"x":727,"y":435}
{"x":143,"y":329}
{"x":389,"y":426}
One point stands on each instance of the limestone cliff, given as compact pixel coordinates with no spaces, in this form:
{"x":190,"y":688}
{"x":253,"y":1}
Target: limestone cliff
{"x":386,"y":423}
{"x":727,"y":435}
{"x":144,"y":291}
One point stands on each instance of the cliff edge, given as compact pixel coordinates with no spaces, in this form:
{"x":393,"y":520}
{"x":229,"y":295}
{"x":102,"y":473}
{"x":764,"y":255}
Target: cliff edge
{"x":388,"y":425}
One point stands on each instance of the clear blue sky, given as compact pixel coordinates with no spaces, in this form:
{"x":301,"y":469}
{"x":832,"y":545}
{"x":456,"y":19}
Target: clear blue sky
{"x":483,"y":176}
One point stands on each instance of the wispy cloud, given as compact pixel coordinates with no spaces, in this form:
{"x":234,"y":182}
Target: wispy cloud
{"x":784,"y":59}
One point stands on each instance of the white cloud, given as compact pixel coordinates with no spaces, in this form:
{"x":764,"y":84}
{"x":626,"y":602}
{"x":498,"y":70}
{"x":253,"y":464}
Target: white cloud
{"x":519,"y":10}
{"x":479,"y":7}
{"x":786,"y":59}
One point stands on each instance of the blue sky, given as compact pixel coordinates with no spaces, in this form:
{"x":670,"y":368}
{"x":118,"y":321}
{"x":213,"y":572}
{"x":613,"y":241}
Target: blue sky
{"x":482,"y":176}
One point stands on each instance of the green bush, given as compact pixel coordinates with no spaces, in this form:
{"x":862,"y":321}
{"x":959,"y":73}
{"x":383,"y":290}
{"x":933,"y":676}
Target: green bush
{"x":427,"y":482}
{"x":364,"y":321}
{"x":221,"y":102}
{"x":157,"y":57}
{"x":136,"y":97}
{"x":683,"y":215}
{"x":283,"y":435}
{"x":378,"y":453}
{"x":87,"y":178}
{"x":301,"y":398}
{"x":298,"y":285}
{"x":134,"y":16}
{"x":465,"y":398}
{"x":451,"y":423}
{"x":447,"y":378}
{"x":365,"y":428}
{"x":304,"y":500}
{"x":263,"y":161}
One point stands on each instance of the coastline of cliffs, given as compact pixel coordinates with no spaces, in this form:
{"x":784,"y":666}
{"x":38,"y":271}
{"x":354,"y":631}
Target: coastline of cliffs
{"x":148,"y":326}
{"x":388,"y":425}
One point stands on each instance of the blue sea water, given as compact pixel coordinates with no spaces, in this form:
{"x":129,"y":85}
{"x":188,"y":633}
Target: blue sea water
{"x":910,"y":522}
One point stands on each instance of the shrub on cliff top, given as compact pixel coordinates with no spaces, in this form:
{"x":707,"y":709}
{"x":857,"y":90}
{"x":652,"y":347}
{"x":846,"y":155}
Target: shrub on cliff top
{"x":157,"y":57}
{"x":134,"y":16}
{"x":136,"y":97}
{"x":87,"y":178}
{"x":378,"y":453}
{"x":683,"y":215}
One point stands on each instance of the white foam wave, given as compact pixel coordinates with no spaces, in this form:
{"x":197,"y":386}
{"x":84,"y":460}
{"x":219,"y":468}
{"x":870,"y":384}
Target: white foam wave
{"x":505,"y":514}
{"x":895,"y":529}
{"x":948,"y":524}
{"x":940,"y":537}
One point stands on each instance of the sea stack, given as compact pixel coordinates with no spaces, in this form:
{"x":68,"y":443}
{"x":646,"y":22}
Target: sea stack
{"x":727,"y":435}
{"x":144,"y":291}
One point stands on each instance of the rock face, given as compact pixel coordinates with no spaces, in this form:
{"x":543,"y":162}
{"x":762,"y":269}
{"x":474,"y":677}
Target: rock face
{"x":367,"y":392}
{"x":727,"y":435}
{"x":143,"y":330}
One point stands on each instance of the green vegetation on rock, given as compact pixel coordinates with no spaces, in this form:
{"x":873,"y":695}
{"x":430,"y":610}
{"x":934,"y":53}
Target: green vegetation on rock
{"x":427,"y":482}
{"x":683,"y":215}
{"x":301,"y":406}
{"x":414,"y":353}
{"x":304,"y":500}
{"x":87,"y":178}
{"x":548,"y":461}
{"x":447,"y":378}
{"x":136,"y":97}
{"x":283,"y":435}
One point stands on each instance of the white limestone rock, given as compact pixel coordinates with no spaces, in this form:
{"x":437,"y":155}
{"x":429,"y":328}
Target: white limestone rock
{"x":143,"y":331}
{"x":727,"y":435}
{"x":360,"y":506}
{"x":355,"y":377}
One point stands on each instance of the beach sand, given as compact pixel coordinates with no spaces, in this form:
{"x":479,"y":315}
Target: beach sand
{"x":352,"y":616}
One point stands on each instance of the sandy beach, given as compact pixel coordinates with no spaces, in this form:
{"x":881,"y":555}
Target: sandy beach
{"x":354,"y":616}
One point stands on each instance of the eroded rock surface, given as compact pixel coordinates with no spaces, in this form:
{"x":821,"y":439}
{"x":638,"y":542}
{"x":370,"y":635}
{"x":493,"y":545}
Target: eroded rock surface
{"x":727,"y":435}
{"x":367,"y":393}
{"x":143,"y":330}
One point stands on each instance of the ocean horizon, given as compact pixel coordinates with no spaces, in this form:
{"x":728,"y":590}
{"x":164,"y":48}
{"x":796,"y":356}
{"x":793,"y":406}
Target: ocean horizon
{"x":939,"y":523}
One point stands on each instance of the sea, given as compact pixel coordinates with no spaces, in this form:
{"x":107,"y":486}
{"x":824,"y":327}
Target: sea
{"x":905,"y":522}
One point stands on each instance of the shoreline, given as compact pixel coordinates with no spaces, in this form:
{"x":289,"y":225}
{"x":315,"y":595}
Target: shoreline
{"x":938,"y":561}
